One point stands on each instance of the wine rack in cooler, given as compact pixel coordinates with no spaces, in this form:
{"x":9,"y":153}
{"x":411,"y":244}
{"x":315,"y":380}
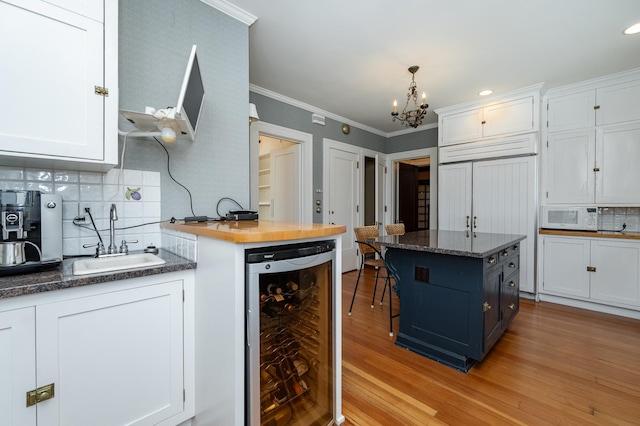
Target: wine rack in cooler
{"x":296,"y":378}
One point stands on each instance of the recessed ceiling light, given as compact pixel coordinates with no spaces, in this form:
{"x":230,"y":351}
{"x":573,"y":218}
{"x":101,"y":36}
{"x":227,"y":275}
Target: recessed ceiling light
{"x":485,"y":92}
{"x":634,"y":29}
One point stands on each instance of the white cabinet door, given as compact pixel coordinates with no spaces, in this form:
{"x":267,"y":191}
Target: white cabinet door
{"x":461,"y":127}
{"x":569,"y":164}
{"x":570,"y":112}
{"x":565,"y":266}
{"x":504,"y":202}
{"x":17,"y":366}
{"x":618,"y":103}
{"x":454,"y":197}
{"x":617,"y":275}
{"x":115,"y":358}
{"x":508,"y":117}
{"x":617,"y":157}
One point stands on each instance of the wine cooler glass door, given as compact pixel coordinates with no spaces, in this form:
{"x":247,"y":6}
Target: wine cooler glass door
{"x":290,"y":340}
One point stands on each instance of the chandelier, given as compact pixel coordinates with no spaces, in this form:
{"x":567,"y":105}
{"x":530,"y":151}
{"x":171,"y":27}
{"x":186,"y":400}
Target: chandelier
{"x":411,"y":117}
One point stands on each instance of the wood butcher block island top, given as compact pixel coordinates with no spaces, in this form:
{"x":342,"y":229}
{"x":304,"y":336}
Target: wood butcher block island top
{"x":627,"y":235}
{"x":256,"y":231}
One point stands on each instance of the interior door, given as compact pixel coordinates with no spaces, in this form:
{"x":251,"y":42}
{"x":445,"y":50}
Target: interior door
{"x":454,"y":197}
{"x":408,"y":196}
{"x":285,"y":184}
{"x":343,"y":200}
{"x":380,"y":190}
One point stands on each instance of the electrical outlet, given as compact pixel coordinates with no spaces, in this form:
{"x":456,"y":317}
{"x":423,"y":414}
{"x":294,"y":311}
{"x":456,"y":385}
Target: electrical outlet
{"x":83,"y":212}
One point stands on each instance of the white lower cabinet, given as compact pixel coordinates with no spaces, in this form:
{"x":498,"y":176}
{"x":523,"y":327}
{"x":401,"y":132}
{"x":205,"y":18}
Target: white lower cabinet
{"x":115,"y":357}
{"x":600,"y":270}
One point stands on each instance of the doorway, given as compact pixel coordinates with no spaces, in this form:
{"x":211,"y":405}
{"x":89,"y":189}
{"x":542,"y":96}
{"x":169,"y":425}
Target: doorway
{"x":414,"y":193}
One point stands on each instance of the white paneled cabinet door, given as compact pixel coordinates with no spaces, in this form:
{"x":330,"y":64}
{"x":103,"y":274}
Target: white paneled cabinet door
{"x":617,"y":275}
{"x":565,"y":266}
{"x":460,"y":127}
{"x":618,"y":103}
{"x":617,"y":158}
{"x":49,"y":105}
{"x":508,"y":117}
{"x":454,"y":197}
{"x":115,"y":358}
{"x":569,"y":164}
{"x":570,"y":112}
{"x":504,"y":203}
{"x":17,"y":366}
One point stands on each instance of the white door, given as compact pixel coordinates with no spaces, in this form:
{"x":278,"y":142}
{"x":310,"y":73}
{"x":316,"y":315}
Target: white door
{"x":617,"y":156}
{"x":570,"y":159}
{"x":122,"y":349}
{"x":285,"y":184}
{"x":504,"y":203}
{"x":454,"y":197}
{"x":380,"y":191}
{"x":617,"y":275}
{"x":343,"y":199}
{"x":17,"y":366}
{"x":565,"y":263}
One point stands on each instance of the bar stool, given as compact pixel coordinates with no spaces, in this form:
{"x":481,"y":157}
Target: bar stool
{"x":363,"y":233}
{"x":394,"y":228}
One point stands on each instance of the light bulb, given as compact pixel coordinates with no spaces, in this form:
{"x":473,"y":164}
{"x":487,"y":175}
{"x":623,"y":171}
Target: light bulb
{"x":168,"y":134}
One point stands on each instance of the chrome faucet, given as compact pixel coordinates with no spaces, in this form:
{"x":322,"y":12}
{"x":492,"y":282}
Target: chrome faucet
{"x":113,"y":216}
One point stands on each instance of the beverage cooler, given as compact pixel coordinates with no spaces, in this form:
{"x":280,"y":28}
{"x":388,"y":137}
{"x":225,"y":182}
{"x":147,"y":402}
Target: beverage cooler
{"x":290,"y":351}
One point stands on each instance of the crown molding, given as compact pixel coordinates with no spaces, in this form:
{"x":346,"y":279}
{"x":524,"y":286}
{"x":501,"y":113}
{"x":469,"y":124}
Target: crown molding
{"x":232,"y":10}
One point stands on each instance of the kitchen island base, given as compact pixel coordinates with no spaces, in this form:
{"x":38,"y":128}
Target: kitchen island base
{"x":455,"y":304}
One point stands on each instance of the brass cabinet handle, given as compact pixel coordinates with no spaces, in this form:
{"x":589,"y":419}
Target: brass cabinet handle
{"x":41,"y":394}
{"x":486,"y":307}
{"x":505,"y":253}
{"x":484,"y":122}
{"x":516,"y":247}
{"x":492,"y":260}
{"x":512,"y":284}
{"x":512,"y":265}
{"x":591,"y":269}
{"x":467,"y":221}
{"x":512,"y":306}
{"x":475,"y":222}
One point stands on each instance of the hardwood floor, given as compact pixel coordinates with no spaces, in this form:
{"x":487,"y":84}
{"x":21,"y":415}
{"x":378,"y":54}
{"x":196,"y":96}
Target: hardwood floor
{"x":554,"y":365}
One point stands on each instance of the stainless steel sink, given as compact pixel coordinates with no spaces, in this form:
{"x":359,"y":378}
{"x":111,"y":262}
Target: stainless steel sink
{"x":116,"y":263}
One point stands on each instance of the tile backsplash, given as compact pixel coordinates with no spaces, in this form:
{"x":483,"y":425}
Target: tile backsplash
{"x":135,"y":193}
{"x":612,"y":218}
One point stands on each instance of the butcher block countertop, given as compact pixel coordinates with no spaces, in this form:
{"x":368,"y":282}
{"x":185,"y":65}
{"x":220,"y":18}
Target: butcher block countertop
{"x":627,"y":235}
{"x":256,"y":231}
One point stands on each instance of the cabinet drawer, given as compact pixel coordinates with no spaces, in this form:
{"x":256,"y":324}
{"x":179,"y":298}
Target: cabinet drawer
{"x":511,"y":265}
{"x":492,"y":261}
{"x":510,"y":300}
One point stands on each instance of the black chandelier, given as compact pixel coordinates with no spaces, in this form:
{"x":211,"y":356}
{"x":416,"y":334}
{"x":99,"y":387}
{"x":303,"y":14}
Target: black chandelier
{"x":411,"y":117}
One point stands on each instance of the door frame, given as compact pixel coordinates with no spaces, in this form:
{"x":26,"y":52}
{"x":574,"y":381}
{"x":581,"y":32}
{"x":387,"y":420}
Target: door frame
{"x":392,"y":182}
{"x":306,"y":163}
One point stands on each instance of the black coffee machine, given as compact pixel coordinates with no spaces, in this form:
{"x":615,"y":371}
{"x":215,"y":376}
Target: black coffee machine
{"x":30,"y":231}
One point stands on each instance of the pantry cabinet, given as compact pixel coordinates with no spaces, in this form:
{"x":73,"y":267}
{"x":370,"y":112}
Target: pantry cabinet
{"x":598,"y":270}
{"x":60,"y":88}
{"x":496,"y":119}
{"x":119,"y":354}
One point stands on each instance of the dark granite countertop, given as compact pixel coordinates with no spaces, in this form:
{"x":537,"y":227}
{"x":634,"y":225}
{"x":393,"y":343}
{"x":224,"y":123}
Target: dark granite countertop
{"x":62,"y":277}
{"x":455,"y":243}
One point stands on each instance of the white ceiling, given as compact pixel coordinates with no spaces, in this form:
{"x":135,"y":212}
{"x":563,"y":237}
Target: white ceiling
{"x":350,"y":57}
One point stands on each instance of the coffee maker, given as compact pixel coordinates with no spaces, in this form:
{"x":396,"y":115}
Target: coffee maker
{"x":30,"y":231}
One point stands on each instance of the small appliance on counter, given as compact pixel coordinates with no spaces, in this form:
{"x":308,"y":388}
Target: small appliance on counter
{"x":30,"y":231}
{"x":579,"y":218}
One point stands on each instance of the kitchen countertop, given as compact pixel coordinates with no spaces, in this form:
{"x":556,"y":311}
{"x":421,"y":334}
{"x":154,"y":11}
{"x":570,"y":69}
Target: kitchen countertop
{"x":628,"y":235}
{"x":454,"y":243}
{"x":256,"y":231}
{"x":62,"y":277}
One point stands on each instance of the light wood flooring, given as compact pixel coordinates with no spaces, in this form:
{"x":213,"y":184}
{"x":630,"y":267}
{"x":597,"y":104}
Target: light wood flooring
{"x":554,"y":365}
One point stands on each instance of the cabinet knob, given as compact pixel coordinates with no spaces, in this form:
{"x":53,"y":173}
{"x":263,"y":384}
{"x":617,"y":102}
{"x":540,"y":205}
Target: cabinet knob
{"x":596,"y":107}
{"x":486,"y":307}
{"x":512,"y":265}
{"x":512,"y":306}
{"x":492,"y":260}
{"x":483,"y":122}
{"x":512,"y":284}
{"x":505,"y":253}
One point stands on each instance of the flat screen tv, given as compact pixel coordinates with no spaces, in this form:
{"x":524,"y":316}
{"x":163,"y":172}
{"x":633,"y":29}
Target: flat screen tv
{"x":191,"y":97}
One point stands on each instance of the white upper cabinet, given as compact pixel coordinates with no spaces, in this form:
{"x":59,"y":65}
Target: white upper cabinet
{"x":510,"y":114}
{"x":609,"y":104}
{"x":63,"y":58}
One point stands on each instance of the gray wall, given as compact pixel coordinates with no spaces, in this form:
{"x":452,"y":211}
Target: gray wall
{"x":155,"y":39}
{"x":412,"y":141}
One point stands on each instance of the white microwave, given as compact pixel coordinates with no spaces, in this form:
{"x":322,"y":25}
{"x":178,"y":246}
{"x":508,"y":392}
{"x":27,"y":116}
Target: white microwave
{"x":580,"y":218}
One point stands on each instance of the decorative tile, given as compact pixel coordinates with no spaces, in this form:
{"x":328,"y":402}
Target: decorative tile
{"x":39,"y":175}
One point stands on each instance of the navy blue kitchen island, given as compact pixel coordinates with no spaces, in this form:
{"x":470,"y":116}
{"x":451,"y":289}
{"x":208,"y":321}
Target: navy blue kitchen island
{"x":458,"y":291}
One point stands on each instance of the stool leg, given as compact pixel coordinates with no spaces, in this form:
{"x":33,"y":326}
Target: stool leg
{"x":388,"y":283}
{"x":355,"y":289}
{"x":375,"y":287}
